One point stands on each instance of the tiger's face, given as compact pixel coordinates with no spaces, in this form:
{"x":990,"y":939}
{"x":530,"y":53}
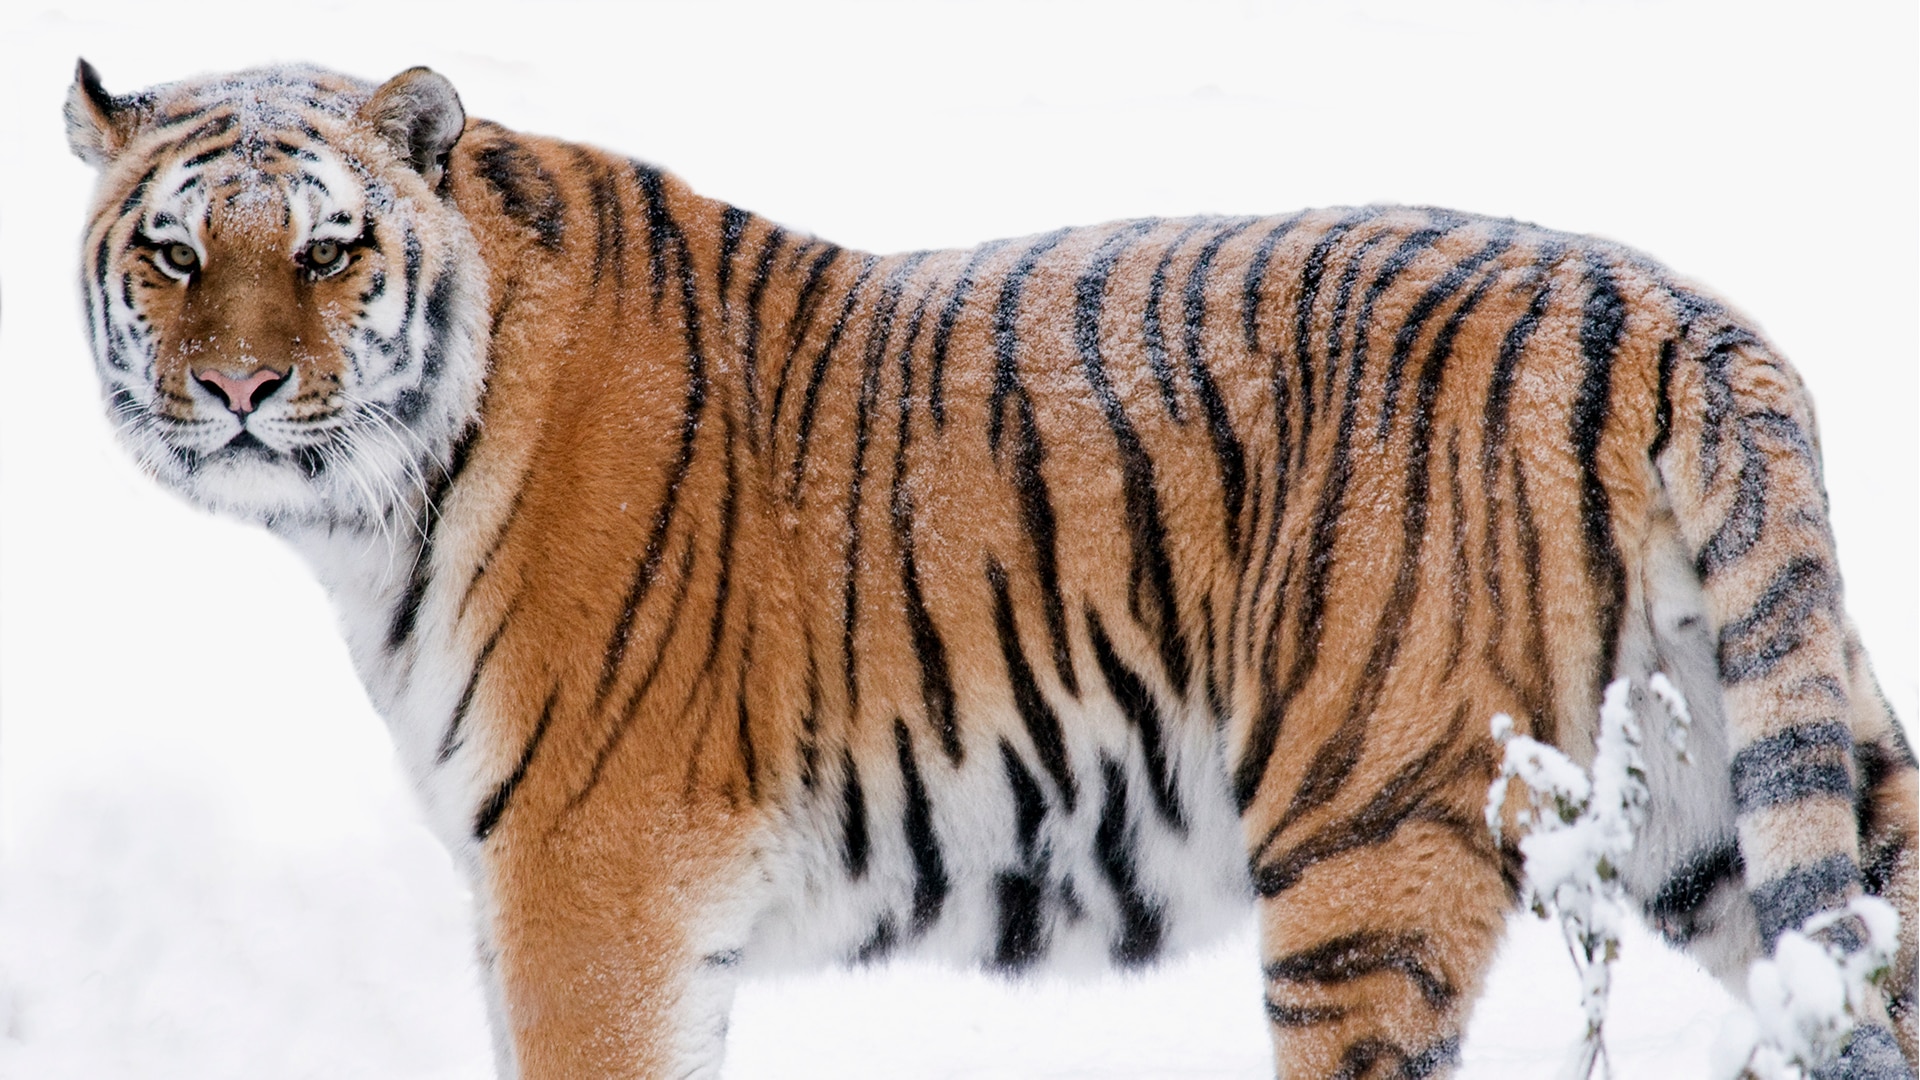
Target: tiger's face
{"x":285,"y":313}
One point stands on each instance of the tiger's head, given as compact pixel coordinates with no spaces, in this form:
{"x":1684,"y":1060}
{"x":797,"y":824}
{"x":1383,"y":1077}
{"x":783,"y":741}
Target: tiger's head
{"x":286,"y":310}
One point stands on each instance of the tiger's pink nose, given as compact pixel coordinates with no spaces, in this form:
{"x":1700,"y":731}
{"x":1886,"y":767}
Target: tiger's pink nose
{"x":244,"y":394}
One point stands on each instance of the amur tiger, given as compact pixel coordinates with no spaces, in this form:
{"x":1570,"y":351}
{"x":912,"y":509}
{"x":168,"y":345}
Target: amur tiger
{"x":738,"y":601}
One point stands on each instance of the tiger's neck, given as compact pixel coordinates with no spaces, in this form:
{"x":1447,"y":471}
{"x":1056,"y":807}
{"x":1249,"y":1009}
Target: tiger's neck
{"x":639,"y":274}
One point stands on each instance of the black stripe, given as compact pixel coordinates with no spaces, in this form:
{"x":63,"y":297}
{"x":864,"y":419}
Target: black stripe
{"x":1255,"y":281}
{"x":662,"y":230}
{"x":1809,"y":761}
{"x":208,"y":154}
{"x":496,"y":804}
{"x":810,"y":405}
{"x":135,"y":194}
{"x":856,"y":845}
{"x":493,"y":548}
{"x":1423,"y":309}
{"x":1227,"y":450}
{"x":1342,"y":301}
{"x":1029,"y":804}
{"x":173,"y":118}
{"x":450,"y":741}
{"x":412,"y":259}
{"x":733,"y":227}
{"x":1150,"y":325}
{"x":1019,"y":944}
{"x":527,"y":192}
{"x":923,"y":843}
{"x":743,"y":718}
{"x":1460,"y":575}
{"x":810,"y":719}
{"x":1544,"y":723}
{"x":406,"y":612}
{"x":1216,"y":697}
{"x":1037,"y":517}
{"x":629,"y":709}
{"x":943,"y":331}
{"x":1675,"y":906}
{"x":1493,"y":454}
{"x":1777,"y":624}
{"x":302,"y":153}
{"x":1881,"y":841}
{"x":1410,"y":791}
{"x":1493,"y":422}
{"x":609,"y":221}
{"x":1716,"y":366}
{"x":1787,"y":901}
{"x":1151,"y":573}
{"x":1042,"y":723}
{"x":1293,"y":1016}
{"x":880,"y":943}
{"x":1361,"y":1058}
{"x":437,"y":316}
{"x":723,"y":553}
{"x":750,"y":348}
{"x":1006,"y":338}
{"x":1027,"y":458}
{"x":1602,"y":326}
{"x":806,"y":304}
{"x":1137,"y":705}
{"x":1741,"y":528}
{"x":1367,"y":952}
{"x":879,"y":330}
{"x":1142,"y":921}
{"x":1312,"y":271}
{"x":929,"y":648}
{"x":1663,"y":408}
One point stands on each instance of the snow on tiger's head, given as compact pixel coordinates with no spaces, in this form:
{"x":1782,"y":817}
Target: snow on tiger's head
{"x":286,"y":311}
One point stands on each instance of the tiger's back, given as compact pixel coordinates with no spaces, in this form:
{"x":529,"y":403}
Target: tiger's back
{"x":1053,"y":599}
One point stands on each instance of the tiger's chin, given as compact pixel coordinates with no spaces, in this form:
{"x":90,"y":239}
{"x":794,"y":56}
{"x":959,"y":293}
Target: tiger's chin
{"x":300,"y":486}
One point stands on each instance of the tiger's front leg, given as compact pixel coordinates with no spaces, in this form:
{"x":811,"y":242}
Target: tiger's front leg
{"x":606,"y":942}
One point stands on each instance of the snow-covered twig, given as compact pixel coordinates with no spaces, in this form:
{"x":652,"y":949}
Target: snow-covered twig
{"x":1805,"y":1002}
{"x":1579,"y":830}
{"x":1679,"y":717}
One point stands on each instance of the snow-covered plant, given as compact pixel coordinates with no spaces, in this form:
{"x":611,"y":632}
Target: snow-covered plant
{"x":1679,"y":717}
{"x":1805,"y":1002}
{"x":1578,"y":830}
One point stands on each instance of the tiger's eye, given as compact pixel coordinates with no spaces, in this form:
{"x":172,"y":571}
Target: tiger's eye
{"x":182,"y":256}
{"x":323,"y":254}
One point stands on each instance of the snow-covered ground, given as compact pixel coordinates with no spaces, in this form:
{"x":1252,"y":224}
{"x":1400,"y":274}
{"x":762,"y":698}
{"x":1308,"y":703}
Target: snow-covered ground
{"x":208,"y":864}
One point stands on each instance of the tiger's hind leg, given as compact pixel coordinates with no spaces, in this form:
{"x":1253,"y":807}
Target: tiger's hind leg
{"x":1381,"y":896}
{"x":1884,"y":801}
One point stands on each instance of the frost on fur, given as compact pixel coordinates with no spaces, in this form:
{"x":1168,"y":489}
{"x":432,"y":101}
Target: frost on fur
{"x":1806,"y":1002}
{"x":1578,"y":830}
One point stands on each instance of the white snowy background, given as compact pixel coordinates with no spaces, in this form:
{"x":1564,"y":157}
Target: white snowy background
{"x":209,"y":865}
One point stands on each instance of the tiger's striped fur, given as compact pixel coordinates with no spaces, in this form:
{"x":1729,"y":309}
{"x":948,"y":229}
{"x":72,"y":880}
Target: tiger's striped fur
{"x":739,"y":601}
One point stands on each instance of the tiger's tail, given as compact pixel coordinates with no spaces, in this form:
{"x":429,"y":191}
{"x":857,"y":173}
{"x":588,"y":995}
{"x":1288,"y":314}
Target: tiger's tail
{"x":1824,"y":781}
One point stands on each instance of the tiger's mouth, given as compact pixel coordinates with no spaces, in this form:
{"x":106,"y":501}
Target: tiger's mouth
{"x":246,"y":442}
{"x":245,"y":450}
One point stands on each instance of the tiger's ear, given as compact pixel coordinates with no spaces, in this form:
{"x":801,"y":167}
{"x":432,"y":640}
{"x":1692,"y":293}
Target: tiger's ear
{"x":418,"y":112}
{"x":100,"y":125}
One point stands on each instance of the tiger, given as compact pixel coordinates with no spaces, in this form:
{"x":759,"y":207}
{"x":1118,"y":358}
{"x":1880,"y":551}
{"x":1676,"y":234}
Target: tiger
{"x":743,"y":603}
